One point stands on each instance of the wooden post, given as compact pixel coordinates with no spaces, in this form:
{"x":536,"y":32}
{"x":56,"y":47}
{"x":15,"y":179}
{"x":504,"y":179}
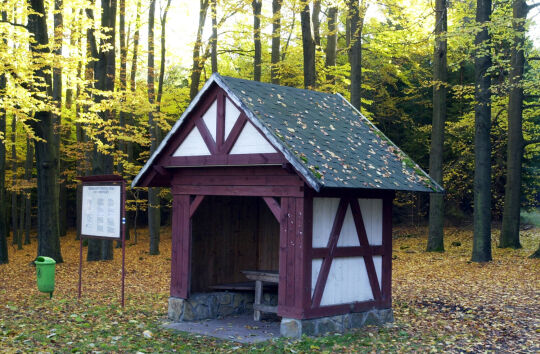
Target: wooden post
{"x":291,"y":291}
{"x":258,"y":295}
{"x":387,"y":257}
{"x":181,"y":247}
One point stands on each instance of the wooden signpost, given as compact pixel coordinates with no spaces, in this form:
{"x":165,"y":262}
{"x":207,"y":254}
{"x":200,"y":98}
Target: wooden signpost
{"x":103,"y":214}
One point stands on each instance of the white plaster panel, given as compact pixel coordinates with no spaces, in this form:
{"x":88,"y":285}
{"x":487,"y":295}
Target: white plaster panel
{"x":315,"y":270}
{"x":347,"y":282}
{"x":377,"y":261}
{"x":231,"y":115}
{"x":193,"y":145}
{"x":348,"y":236}
{"x":372,"y":215}
{"x":324,"y":213}
{"x":250,"y":141}
{"x":210,"y":119}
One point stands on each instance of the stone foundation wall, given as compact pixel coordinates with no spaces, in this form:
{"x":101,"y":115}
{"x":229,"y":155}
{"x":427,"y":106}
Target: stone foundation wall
{"x":202,"y":306}
{"x":294,"y":328}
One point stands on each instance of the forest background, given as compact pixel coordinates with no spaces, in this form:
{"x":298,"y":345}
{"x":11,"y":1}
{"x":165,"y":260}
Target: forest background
{"x":90,"y":87}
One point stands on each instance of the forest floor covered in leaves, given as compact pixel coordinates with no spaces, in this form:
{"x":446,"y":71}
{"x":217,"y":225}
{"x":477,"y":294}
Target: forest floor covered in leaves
{"x":442,"y":302}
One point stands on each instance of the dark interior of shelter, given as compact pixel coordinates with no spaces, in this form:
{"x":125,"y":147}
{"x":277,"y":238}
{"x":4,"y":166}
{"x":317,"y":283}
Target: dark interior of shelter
{"x":229,"y":235}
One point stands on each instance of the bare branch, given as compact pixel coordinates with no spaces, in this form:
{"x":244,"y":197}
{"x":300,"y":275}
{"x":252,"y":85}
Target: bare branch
{"x":14,"y":24}
{"x":532,"y":6}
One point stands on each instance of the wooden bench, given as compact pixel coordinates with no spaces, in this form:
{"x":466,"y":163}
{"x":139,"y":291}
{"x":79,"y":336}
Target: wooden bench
{"x":242,"y":286}
{"x":260,"y":277}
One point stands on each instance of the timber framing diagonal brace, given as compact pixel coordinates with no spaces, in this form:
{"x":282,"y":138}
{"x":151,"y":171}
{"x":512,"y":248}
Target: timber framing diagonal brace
{"x":365,"y":250}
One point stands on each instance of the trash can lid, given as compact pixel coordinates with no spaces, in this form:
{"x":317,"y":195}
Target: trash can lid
{"x":44,"y":260}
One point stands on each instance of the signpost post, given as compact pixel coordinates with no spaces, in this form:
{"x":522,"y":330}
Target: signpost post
{"x":103,"y":214}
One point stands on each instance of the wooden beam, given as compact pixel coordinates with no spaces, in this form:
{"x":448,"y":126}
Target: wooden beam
{"x":234,"y":171}
{"x":327,"y":261}
{"x":298,"y":239}
{"x":264,"y":308}
{"x":283,"y":291}
{"x":161,"y":171}
{"x":195,"y":204}
{"x":220,"y":131}
{"x":291,"y":228}
{"x":235,"y":133}
{"x":274,"y":207}
{"x":206,"y":135}
{"x":245,"y":191}
{"x":236,"y":159}
{"x":186,"y":247}
{"x":245,"y":180}
{"x":387,"y":258}
{"x":350,"y":251}
{"x":181,"y":247}
{"x":340,"y":309}
{"x":364,"y":243}
{"x":308,"y":245}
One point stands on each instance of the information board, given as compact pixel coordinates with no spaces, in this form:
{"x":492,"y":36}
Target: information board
{"x":101,"y":211}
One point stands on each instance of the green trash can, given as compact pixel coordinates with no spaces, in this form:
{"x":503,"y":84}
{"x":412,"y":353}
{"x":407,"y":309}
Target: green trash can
{"x":45,"y":268}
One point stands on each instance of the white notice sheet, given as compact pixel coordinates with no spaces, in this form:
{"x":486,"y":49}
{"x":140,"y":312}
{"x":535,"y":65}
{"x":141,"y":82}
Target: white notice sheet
{"x":101,"y":211}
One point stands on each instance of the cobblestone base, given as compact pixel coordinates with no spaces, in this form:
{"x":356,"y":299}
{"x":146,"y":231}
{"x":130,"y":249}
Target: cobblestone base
{"x":294,"y":328}
{"x":214,"y":305}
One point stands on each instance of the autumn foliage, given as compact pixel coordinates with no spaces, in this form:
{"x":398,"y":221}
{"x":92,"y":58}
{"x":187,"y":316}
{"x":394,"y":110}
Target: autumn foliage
{"x":441,"y":302}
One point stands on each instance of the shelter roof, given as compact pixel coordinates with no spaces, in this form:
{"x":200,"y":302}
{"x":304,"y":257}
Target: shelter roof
{"x":327,"y":140}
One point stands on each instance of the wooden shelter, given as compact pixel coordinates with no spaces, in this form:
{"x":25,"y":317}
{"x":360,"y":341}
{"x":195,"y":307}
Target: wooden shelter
{"x":298,"y":182}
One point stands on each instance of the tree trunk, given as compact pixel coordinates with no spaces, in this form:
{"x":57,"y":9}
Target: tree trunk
{"x":331,"y":42}
{"x":436,"y":200}
{"x":512,"y":190}
{"x":153,"y":197}
{"x":123,"y":77}
{"x":21,"y":222}
{"x":14,"y":198}
{"x":257,"y":58}
{"x":308,"y":45}
{"x":276,"y":39}
{"x":132,"y":88}
{"x":162,"y":58}
{"x":79,"y":133}
{"x":3,"y":217}
{"x":104,"y":73}
{"x":197,"y":60}
{"x":316,"y":22}
{"x":482,"y":146}
{"x":28,"y":193}
{"x":122,"y":85}
{"x":58,"y":20}
{"x":356,"y":14}
{"x":213,"y":39}
{"x":46,"y":152}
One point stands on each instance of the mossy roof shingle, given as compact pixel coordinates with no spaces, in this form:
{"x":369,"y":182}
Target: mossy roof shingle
{"x":337,"y":145}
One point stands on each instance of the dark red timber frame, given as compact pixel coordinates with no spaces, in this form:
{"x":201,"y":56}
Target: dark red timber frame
{"x":219,"y":149}
{"x":382,"y":295}
{"x":191,"y":185}
{"x":295,"y":216}
{"x":220,"y":174}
